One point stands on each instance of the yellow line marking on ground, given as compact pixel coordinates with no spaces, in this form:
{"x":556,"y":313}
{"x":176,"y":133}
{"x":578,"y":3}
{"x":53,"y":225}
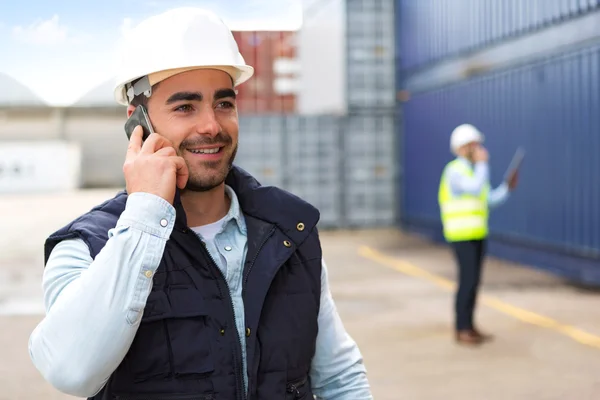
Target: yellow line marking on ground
{"x":492,"y":302}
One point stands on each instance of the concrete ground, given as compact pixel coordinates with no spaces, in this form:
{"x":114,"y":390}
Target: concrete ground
{"x":395,"y":295}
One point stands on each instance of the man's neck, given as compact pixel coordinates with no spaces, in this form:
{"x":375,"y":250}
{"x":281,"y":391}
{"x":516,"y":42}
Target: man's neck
{"x":203,"y":208}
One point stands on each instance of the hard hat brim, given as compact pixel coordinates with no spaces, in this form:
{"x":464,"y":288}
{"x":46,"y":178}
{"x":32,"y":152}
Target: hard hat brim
{"x":239,"y":74}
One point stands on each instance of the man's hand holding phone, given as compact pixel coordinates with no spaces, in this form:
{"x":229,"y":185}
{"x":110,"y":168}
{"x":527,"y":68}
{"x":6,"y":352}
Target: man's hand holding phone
{"x":480,"y":154}
{"x":153,"y":166}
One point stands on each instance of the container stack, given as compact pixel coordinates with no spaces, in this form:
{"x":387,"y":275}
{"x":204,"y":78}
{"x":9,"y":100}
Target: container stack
{"x":342,"y":164}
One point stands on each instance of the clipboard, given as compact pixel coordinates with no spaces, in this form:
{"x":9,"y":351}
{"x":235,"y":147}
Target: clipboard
{"x":515,"y":164}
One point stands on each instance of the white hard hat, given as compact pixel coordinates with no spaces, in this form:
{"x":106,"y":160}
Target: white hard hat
{"x":176,"y":41}
{"x":464,"y":134}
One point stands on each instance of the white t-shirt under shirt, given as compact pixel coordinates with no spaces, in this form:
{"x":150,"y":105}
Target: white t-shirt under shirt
{"x":207,"y":234}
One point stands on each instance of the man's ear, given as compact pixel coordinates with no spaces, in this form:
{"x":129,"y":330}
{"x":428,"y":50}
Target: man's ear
{"x":130,"y":110}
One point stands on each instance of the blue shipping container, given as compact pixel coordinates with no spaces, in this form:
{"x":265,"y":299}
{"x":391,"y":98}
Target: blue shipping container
{"x":551,"y":108}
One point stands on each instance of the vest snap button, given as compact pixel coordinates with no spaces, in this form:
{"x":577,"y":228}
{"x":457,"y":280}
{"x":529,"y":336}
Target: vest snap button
{"x":248,"y":332}
{"x":300,"y":226}
{"x":286,"y":243}
{"x":222,"y":332}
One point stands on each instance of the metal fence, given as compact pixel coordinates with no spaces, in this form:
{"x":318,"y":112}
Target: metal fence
{"x":343,"y":165}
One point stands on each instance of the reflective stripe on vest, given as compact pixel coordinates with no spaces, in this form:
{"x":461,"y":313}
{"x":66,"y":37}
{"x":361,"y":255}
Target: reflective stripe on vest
{"x":464,"y":217}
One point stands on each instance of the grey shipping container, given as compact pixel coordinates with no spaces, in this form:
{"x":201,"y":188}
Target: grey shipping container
{"x":369,"y":170}
{"x":370,"y":53}
{"x":344,"y":166}
{"x":261,"y":145}
{"x":312,"y":163}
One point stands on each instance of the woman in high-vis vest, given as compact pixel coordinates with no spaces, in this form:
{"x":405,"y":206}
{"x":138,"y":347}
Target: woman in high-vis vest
{"x":465,"y":199}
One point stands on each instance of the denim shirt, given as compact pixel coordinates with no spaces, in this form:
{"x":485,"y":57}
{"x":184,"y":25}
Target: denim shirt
{"x":94,"y":307}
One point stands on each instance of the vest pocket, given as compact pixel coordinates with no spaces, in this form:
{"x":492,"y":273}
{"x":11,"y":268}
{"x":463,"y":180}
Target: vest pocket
{"x":188,"y":332}
{"x":148,"y":356}
{"x":173,"y":339}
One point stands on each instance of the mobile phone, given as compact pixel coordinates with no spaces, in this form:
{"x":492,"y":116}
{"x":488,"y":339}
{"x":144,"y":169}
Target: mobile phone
{"x":139,"y":117}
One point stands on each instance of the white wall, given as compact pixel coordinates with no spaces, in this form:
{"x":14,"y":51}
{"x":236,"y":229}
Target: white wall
{"x":322,"y":54}
{"x":30,"y":123}
{"x":41,"y":166}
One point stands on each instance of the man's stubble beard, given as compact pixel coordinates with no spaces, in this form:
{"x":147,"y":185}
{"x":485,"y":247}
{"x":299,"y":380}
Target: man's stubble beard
{"x":204,"y":184}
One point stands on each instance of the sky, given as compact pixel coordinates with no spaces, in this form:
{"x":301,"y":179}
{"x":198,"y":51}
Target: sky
{"x":61,"y":49}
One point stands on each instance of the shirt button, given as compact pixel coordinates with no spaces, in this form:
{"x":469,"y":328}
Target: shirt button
{"x":227,"y":248}
{"x":164,"y":222}
{"x":148,"y":274}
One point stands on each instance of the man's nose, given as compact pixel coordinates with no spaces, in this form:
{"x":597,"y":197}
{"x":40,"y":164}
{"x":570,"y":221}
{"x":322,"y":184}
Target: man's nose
{"x":207,"y":123}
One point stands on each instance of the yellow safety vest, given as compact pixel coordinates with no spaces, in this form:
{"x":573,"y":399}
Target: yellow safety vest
{"x":464,"y":217}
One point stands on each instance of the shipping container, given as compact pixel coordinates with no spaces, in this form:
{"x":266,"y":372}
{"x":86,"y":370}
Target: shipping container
{"x":370,"y":50}
{"x":369,"y":170}
{"x":261,"y":147}
{"x":549,"y":107}
{"x":312,"y":164}
{"x":274,"y":86}
{"x":344,"y":166}
{"x":433,"y":30}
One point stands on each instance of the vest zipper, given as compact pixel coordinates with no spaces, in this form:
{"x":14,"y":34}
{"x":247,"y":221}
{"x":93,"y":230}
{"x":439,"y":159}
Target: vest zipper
{"x":238,"y":363}
{"x":262,"y":244}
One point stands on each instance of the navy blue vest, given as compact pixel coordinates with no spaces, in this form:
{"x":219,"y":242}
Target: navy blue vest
{"x":187,"y":346}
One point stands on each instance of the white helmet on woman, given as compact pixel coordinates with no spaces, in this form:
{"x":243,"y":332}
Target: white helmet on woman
{"x":176,"y":41}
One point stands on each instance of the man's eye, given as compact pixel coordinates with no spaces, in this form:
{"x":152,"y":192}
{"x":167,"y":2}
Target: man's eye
{"x":226,"y":104}
{"x":184,"y":108}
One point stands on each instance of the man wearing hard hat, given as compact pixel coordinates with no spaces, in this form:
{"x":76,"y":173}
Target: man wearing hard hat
{"x":195,"y":282}
{"x":465,"y":199}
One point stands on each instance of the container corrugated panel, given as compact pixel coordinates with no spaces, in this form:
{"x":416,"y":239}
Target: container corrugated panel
{"x":552,"y":10}
{"x":525,"y":16}
{"x":312,"y":164}
{"x":432,"y":30}
{"x":371,"y":53}
{"x":550,"y":108}
{"x":261,"y":145}
{"x":536,"y":19}
{"x":369,"y":169}
{"x":405,"y":33}
{"x":593,"y":5}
